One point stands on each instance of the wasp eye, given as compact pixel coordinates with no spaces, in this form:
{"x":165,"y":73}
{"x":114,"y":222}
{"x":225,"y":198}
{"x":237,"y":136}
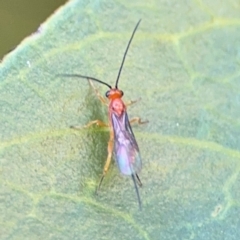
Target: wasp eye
{"x":107,"y":94}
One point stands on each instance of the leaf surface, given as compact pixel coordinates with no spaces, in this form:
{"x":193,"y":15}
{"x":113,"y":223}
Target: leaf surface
{"x":184,"y":65}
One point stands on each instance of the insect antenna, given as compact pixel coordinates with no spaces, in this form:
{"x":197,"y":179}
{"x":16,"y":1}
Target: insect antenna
{"x":86,"y":77}
{"x":136,"y":188}
{"x":125,"y":54}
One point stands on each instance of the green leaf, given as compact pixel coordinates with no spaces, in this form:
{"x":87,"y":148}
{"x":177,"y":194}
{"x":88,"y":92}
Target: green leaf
{"x":184,"y":65}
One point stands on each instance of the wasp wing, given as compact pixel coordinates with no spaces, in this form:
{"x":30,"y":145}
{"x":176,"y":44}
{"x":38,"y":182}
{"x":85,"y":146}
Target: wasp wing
{"x":126,"y":148}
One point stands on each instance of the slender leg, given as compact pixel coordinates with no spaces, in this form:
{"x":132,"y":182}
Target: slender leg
{"x":100,"y":97}
{"x":136,"y":188}
{"x":131,"y":102}
{"x":138,"y":180}
{"x":108,"y":161}
{"x":110,"y":148}
{"x":97,"y":122}
{"x":138,"y":120}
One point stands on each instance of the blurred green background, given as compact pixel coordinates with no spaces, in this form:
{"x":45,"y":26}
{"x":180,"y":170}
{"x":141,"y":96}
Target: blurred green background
{"x":18,"y":19}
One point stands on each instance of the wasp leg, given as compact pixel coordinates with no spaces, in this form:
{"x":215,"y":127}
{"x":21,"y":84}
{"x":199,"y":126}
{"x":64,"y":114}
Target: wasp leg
{"x":97,"y":122}
{"x":138,"y":180}
{"x":108,"y":161}
{"x":137,"y":192}
{"x":100,"y":97}
{"x":132,"y":102}
{"x":110,"y":148}
{"x":138,"y":120}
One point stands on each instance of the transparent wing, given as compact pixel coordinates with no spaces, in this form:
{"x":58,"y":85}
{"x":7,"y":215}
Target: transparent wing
{"x":125,"y":145}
